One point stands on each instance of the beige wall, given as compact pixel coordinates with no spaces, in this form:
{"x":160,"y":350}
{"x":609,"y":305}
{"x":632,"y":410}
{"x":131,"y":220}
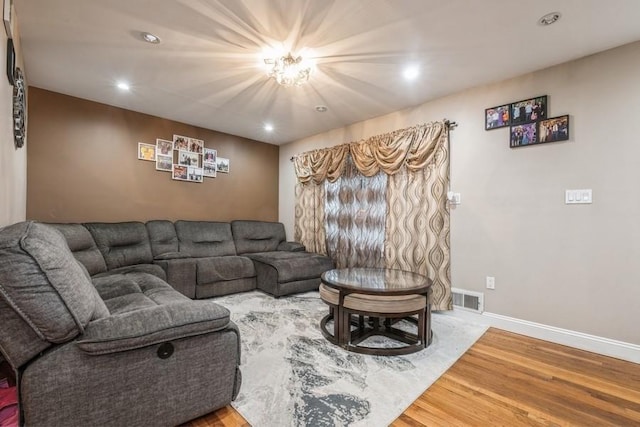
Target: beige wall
{"x":572,"y":267}
{"x":13,"y":161}
{"x":83,"y":166}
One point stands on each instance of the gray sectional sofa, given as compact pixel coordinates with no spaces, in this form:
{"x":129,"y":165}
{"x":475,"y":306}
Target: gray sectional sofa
{"x":200,"y":259}
{"x":119,"y":348}
{"x":99,"y":322}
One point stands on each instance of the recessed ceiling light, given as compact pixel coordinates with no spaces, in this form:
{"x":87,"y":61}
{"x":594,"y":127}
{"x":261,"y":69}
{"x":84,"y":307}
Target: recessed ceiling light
{"x":321,"y":108}
{"x":150,"y":38}
{"x":124,"y":86}
{"x":268,"y":127}
{"x":549,"y":18}
{"x":411,"y":72}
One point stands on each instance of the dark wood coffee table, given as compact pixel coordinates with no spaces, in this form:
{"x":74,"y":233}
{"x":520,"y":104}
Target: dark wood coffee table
{"x":379,"y":298}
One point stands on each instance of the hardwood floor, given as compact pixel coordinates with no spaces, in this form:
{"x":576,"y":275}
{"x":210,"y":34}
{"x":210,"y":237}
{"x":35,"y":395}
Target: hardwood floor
{"x":506,"y":379}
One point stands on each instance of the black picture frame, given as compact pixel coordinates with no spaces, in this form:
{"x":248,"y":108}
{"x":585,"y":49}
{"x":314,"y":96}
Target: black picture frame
{"x":554,"y":129}
{"x":497,"y":117}
{"x":523,"y":135}
{"x":528,"y":110}
{"x":11,"y":62}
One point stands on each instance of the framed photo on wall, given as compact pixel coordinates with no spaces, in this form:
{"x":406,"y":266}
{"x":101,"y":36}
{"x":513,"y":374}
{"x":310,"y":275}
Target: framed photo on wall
{"x":164,"y":147}
{"x":180,"y":173}
{"x":164,"y":163}
{"x":194,"y":174}
{"x":554,"y":129}
{"x":196,"y":145}
{"x":210,"y":155}
{"x":209,"y":170}
{"x":187,"y":158}
{"x":529,"y":110}
{"x":497,"y":117}
{"x":222,"y":165}
{"x":181,"y":142}
{"x":146,"y":152}
{"x":523,"y":135}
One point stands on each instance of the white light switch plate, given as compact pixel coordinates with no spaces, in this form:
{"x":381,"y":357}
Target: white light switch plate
{"x":578,"y":197}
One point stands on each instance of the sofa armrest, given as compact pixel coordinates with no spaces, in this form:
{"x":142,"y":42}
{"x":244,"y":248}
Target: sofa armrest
{"x":142,"y":328}
{"x":291,"y":247}
{"x":181,"y":274}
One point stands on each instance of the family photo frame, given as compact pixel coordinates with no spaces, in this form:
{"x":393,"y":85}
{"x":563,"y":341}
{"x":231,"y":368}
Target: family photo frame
{"x":529,"y":110}
{"x":497,"y":117}
{"x":222,"y":165}
{"x":528,"y":122}
{"x":554,"y":129}
{"x":186,"y":158}
{"x":146,"y":152}
{"x":209,"y":159}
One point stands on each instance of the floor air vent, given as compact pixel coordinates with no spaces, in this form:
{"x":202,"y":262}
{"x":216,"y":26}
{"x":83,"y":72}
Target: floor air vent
{"x":468,"y":300}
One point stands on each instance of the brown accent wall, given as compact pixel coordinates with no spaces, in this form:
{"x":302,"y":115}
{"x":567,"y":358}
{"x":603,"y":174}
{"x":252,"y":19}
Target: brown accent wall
{"x":83,"y":166}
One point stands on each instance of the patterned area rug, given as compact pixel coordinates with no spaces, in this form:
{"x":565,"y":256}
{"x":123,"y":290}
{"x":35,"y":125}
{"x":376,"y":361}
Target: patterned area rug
{"x":292,"y":376}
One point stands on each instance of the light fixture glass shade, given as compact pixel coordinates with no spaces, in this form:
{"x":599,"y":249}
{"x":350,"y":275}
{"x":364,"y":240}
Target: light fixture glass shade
{"x":288,"y":70}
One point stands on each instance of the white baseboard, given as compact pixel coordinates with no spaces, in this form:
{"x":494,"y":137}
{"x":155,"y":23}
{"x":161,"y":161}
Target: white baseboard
{"x":608,"y":347}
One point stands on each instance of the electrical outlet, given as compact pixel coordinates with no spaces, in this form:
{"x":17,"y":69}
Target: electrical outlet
{"x":491,"y":282}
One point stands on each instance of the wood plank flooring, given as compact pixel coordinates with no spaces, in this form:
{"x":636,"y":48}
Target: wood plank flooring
{"x":506,"y":379}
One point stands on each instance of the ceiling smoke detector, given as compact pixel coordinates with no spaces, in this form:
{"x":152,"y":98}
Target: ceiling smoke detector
{"x":549,"y":18}
{"x":321,"y":108}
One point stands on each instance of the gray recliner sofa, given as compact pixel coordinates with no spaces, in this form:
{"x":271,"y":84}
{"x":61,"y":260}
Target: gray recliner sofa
{"x":120,"y":347}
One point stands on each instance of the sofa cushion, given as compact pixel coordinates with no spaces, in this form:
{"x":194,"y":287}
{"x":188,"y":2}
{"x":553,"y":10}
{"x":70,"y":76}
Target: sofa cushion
{"x":294,"y":265}
{"x":82,"y":246}
{"x":257,"y":236}
{"x":122,"y":243}
{"x":217,"y":269}
{"x":123,"y":293}
{"x":201,"y":239}
{"x":163,"y":237}
{"x":158,"y":324}
{"x":42,"y":281}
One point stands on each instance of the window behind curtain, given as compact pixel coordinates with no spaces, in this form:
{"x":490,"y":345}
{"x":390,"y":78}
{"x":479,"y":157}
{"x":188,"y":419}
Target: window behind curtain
{"x":356,"y":211}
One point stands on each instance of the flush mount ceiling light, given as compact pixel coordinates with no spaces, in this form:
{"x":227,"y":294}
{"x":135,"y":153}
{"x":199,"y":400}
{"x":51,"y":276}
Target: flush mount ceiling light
{"x":288,"y":70}
{"x":150,"y":38}
{"x":549,"y":18}
{"x":123,"y":86}
{"x":411,"y":72}
{"x":268,"y":127}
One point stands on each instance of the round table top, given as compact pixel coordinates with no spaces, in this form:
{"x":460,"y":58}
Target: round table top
{"x":376,"y":281}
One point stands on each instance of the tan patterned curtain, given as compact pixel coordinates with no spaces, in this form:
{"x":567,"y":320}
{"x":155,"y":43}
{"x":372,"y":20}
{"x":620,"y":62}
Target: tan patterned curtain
{"x":416,"y":228}
{"x":310,"y":218}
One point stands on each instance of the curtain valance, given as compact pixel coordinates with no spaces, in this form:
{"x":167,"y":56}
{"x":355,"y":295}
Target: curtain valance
{"x":414,"y":147}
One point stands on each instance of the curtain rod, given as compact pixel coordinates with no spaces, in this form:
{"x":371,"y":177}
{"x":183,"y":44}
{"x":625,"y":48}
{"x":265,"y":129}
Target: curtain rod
{"x":451,"y":125}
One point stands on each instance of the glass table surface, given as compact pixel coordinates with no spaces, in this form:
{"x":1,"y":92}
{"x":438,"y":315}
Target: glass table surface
{"x":376,"y":280}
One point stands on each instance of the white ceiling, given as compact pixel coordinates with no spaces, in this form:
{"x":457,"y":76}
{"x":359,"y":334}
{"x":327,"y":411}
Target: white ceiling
{"x":206,"y":72}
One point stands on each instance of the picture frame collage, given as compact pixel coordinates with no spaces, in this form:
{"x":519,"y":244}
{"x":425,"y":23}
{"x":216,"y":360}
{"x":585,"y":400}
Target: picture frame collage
{"x":528,"y":123}
{"x":186,"y":158}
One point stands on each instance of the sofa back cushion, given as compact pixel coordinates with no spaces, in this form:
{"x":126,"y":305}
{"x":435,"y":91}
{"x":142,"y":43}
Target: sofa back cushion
{"x":163,"y":237}
{"x":257,"y":236}
{"x":45,"y":287}
{"x":122,"y":243}
{"x":83,"y":247}
{"x":205,"y":238}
